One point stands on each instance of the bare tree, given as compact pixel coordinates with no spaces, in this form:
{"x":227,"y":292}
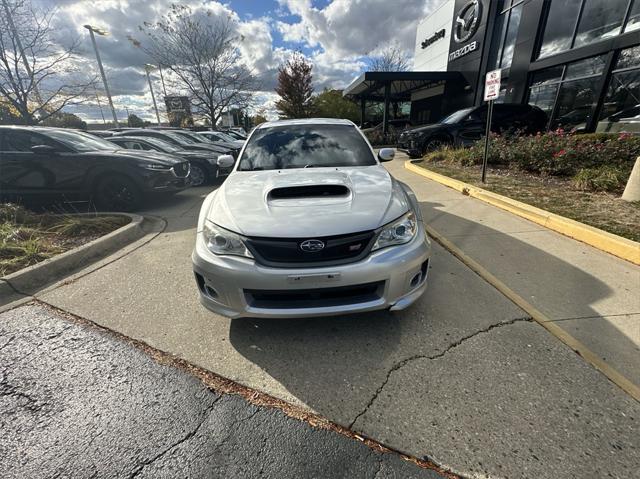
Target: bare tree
{"x":38,"y":77}
{"x":391,"y":59}
{"x":295,"y":88}
{"x":201,"y":51}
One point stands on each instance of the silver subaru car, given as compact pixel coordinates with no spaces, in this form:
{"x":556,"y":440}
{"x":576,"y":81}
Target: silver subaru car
{"x":309,"y":223}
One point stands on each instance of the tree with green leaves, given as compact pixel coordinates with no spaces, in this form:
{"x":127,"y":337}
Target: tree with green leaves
{"x":295,"y":88}
{"x":134,"y":121}
{"x":62,"y":119}
{"x":331,"y":104}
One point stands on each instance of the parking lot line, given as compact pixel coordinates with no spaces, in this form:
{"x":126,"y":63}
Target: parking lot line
{"x":614,"y":376}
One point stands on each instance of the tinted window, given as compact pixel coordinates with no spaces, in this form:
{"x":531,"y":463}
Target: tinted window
{"x":583,"y":68}
{"x":628,"y":58}
{"x":510,"y":39}
{"x":23,"y":140}
{"x":456,"y":116}
{"x":80,"y":141}
{"x":558,"y":31}
{"x":300,"y":146}
{"x":600,"y":19}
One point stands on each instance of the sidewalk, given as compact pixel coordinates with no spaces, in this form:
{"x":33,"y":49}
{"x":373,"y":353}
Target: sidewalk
{"x":593,"y":296}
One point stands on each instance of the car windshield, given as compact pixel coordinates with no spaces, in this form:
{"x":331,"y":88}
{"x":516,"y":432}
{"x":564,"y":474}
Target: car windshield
{"x":80,"y":141}
{"x":225,"y":137}
{"x":161,"y":145}
{"x":182,"y":140}
{"x":305,"y":146}
{"x":190,"y":137}
{"x":456,"y":116}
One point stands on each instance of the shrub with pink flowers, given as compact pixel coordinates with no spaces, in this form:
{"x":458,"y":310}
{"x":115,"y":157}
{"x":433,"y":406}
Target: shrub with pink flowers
{"x":596,"y":161}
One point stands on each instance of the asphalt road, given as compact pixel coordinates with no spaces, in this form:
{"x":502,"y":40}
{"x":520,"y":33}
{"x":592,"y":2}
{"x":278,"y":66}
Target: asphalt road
{"x":462,"y":377}
{"x":77,"y":402}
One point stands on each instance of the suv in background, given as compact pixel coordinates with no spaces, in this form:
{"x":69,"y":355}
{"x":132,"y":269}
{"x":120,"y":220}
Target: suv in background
{"x":40,"y":162}
{"x":465,"y":127}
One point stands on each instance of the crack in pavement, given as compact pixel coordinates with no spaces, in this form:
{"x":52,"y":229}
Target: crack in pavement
{"x":136,"y":472}
{"x":451,"y":346}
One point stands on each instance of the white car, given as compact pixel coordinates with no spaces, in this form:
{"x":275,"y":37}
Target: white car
{"x":309,"y":223}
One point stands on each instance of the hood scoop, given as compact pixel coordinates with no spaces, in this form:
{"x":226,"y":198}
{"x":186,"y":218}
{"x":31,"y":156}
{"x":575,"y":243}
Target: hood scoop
{"x":309,"y":194}
{"x":309,"y":191}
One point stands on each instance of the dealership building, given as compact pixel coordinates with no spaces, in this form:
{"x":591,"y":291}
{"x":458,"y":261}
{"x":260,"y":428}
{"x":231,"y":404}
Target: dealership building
{"x":578,"y":60}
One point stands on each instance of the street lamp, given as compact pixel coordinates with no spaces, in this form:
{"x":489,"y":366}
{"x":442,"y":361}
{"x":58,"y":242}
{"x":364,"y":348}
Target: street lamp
{"x":148,"y":67}
{"x":99,"y":31}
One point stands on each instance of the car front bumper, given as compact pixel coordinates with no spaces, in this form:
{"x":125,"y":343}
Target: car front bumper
{"x":232,"y":286}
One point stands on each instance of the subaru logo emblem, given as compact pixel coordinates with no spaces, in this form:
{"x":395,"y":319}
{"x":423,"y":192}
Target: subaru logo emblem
{"x":467,"y":21}
{"x":312,"y":245}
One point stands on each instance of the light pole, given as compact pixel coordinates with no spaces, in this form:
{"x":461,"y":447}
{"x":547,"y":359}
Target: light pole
{"x":148,"y":67}
{"x":99,"y":31}
{"x":100,"y":105}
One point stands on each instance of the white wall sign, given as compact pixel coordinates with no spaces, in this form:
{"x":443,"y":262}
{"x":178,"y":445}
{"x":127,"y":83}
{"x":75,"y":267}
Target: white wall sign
{"x":492,"y":85}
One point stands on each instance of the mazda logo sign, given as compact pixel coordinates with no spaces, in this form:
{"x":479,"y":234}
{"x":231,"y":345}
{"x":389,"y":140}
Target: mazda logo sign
{"x":312,"y":245}
{"x":467,"y":21}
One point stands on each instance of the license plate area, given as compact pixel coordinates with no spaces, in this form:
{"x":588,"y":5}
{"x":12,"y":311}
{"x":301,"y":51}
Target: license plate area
{"x":313,"y":279}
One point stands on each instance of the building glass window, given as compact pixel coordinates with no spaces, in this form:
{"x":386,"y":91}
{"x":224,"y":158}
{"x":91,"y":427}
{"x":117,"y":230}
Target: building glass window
{"x":633,"y":22}
{"x":562,"y":16}
{"x":568,"y":94}
{"x":575,"y":23}
{"x":622,"y":99}
{"x":505,"y":33}
{"x":600,"y":20}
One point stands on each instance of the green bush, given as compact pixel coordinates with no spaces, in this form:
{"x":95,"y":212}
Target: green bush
{"x":601,"y":178}
{"x":598,"y":161}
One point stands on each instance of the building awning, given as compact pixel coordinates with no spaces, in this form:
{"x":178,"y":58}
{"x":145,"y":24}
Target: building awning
{"x":371,"y":85}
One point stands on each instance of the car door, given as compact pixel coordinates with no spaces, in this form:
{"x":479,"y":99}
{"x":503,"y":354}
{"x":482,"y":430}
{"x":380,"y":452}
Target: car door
{"x":22,"y":169}
{"x":472,"y":128}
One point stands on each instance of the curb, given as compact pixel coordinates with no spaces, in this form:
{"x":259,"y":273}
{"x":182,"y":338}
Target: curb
{"x":29,"y":280}
{"x":616,"y":245}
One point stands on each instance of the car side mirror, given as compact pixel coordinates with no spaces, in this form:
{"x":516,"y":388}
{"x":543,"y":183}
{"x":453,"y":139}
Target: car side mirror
{"x":43,"y":150}
{"x":225,"y":161}
{"x":386,"y":154}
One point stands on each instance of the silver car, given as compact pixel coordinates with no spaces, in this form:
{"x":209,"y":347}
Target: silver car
{"x":309,"y":223}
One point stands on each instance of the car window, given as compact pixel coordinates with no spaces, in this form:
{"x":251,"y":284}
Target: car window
{"x":80,"y":142}
{"x":456,"y":116}
{"x":135,"y":145}
{"x":304,"y":146}
{"x":23,"y":141}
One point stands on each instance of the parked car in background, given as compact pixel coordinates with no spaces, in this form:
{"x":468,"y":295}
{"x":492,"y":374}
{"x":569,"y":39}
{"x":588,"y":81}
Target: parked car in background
{"x":237,"y":134}
{"x":223,"y":147}
{"x":465,"y":127}
{"x":180,"y":141}
{"x":625,"y":121}
{"x":222,"y":138}
{"x":204,"y":168}
{"x":40,"y":162}
{"x":310,"y":223}
{"x":100,"y":133}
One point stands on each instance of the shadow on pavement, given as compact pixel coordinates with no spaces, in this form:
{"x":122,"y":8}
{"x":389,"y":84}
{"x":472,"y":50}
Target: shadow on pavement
{"x":329,"y":362}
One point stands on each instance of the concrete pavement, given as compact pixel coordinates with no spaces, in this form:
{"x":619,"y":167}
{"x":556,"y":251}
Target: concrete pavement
{"x":77,"y":402}
{"x":592,"y":295}
{"x":463,"y":376}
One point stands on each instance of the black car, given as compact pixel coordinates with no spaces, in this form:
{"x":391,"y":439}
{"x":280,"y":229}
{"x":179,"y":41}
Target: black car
{"x":38,"y":162}
{"x":465,"y":127}
{"x":224,"y":148}
{"x":173,"y":137}
{"x":203,"y":166}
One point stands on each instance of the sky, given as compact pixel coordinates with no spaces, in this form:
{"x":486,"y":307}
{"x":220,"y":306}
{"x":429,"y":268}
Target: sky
{"x":337,"y":36}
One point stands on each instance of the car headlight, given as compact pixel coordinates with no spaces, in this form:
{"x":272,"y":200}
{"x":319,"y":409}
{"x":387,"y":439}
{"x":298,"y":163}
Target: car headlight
{"x":400,"y":231}
{"x":213,"y":160}
{"x":222,"y":241}
{"x":147,"y":165}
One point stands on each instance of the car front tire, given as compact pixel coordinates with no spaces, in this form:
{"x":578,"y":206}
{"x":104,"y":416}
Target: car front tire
{"x":117,"y":193}
{"x":198,"y":176}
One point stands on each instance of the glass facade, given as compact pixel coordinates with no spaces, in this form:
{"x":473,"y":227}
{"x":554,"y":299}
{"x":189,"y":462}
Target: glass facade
{"x":576,"y":23}
{"x":622,"y":98}
{"x":568,"y":94}
{"x":505,"y":33}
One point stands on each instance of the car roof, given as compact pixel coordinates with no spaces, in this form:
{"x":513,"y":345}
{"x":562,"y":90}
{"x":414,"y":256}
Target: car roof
{"x":305,"y":121}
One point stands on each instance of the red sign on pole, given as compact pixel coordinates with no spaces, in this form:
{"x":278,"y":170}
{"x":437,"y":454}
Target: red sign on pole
{"x":492,"y":85}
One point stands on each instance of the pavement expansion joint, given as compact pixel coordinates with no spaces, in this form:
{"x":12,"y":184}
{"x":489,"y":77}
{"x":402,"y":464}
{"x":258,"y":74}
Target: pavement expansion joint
{"x":404,"y":362}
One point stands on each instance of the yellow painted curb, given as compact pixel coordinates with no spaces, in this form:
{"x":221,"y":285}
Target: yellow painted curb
{"x":616,"y":245}
{"x":589,"y":356}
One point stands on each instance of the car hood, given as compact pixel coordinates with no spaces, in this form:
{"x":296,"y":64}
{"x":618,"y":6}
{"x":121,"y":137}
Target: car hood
{"x":274,"y":203}
{"x":150,"y":156}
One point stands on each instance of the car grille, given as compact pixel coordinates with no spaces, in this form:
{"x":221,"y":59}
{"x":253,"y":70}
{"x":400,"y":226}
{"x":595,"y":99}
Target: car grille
{"x":287,"y":252}
{"x":181,"y":170}
{"x":314,"y":298}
